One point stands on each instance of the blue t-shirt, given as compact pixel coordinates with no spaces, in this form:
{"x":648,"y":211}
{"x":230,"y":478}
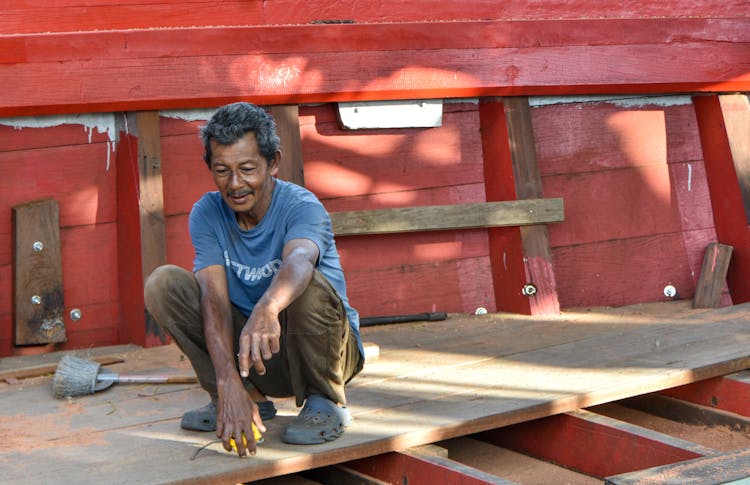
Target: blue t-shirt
{"x":252,"y":257}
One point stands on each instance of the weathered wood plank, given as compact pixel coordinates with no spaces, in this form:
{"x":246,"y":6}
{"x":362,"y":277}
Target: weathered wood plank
{"x":713,"y":275}
{"x":458,"y":216}
{"x":287,"y":127}
{"x":728,"y":393}
{"x":86,"y":85}
{"x":37,"y":273}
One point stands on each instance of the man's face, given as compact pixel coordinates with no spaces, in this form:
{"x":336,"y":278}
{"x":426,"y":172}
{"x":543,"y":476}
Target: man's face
{"x":244,"y":178}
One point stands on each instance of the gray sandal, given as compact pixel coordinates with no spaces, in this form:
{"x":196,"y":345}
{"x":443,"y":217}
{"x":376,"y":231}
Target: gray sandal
{"x":204,"y":419}
{"x":319,"y":421}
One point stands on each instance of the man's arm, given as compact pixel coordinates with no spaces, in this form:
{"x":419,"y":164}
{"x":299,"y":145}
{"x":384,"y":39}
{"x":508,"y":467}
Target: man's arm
{"x":235,"y":410}
{"x":260,"y":337}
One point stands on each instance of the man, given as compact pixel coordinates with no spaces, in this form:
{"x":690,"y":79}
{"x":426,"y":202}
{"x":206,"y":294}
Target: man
{"x":265,"y":311}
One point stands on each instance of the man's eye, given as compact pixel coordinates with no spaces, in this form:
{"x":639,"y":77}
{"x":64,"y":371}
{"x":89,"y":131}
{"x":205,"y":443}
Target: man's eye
{"x":247,"y":169}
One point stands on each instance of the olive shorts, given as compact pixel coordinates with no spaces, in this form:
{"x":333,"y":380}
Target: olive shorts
{"x":318,"y":352}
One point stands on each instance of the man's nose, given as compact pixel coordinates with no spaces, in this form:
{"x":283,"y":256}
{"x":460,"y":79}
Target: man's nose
{"x":234,"y":179}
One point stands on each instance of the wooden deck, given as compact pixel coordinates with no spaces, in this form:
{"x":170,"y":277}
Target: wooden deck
{"x":432,"y":381}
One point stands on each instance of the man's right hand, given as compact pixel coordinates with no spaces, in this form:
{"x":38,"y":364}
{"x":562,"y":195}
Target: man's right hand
{"x":235,"y":414}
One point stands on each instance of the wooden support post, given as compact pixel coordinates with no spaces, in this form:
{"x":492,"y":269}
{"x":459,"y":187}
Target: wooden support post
{"x":518,"y":256}
{"x":37,"y":274}
{"x":287,"y":127}
{"x":724,"y":125}
{"x":593,"y":444}
{"x":713,"y":276}
{"x":140,"y":223}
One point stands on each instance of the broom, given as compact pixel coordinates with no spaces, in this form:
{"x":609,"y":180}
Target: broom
{"x":76,"y":376}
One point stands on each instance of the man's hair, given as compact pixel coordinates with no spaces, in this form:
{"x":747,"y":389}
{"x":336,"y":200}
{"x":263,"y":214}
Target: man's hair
{"x":233,"y":121}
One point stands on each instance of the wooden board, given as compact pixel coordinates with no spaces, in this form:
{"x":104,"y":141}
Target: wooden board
{"x":37,"y":273}
{"x":457,"y":216}
{"x":433,"y":381}
{"x":311,"y":73}
{"x":713,"y":275}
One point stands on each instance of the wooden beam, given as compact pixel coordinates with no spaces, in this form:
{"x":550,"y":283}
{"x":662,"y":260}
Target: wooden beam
{"x":593,"y":444}
{"x":52,"y":74}
{"x":723,"y":125}
{"x":712,"y":280}
{"x":511,"y":172}
{"x":728,"y":393}
{"x":287,"y":127}
{"x":422,"y":469}
{"x":446,"y":217}
{"x":720,"y":468}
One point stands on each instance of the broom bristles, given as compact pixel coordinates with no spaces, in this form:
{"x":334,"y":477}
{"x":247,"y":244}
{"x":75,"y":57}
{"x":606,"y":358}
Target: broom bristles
{"x":75,"y":376}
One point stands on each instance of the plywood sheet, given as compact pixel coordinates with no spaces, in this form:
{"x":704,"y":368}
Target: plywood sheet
{"x":433,"y":381}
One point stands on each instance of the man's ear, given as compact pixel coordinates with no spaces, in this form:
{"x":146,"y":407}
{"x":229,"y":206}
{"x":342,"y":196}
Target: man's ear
{"x":273,"y":166}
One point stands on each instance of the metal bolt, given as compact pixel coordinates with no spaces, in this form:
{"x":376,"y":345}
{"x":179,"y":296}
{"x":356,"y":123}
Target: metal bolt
{"x":36,"y":300}
{"x":38,"y":246}
{"x":75,"y":314}
{"x":529,"y":290}
{"x":670,"y":291}
{"x":480,"y":311}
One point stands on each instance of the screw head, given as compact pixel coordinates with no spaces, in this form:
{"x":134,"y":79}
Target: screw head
{"x":670,"y":291}
{"x":75,"y":314}
{"x":529,"y":290}
{"x":480,"y":311}
{"x":36,"y":300}
{"x":38,"y":246}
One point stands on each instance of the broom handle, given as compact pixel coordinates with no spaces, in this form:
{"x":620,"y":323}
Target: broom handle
{"x":147,"y":379}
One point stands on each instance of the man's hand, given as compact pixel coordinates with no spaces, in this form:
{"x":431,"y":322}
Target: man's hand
{"x":235,"y":415}
{"x":259,"y":339}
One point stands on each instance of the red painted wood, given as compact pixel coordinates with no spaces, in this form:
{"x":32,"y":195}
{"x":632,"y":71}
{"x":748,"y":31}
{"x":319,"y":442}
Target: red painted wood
{"x":726,"y":198}
{"x":185,"y":176}
{"x":506,"y":248}
{"x":68,"y":15}
{"x":726,"y":393}
{"x":131,"y":324}
{"x":628,"y":271}
{"x":587,"y":446}
{"x":632,"y":202}
{"x":454,"y":194}
{"x":183,"y":82}
{"x":12,"y":138}
{"x":225,"y":41}
{"x":401,"y":468}
{"x":179,"y":245}
{"x":89,"y":254}
{"x":340,"y":163}
{"x":107,"y":15}
{"x":451,"y":286}
{"x":594,"y":136}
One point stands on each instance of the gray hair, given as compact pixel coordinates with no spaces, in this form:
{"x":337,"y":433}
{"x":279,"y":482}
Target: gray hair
{"x":233,"y":121}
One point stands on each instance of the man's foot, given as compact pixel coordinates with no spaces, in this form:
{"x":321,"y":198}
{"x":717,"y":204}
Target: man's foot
{"x":204,"y":419}
{"x":319,"y":421}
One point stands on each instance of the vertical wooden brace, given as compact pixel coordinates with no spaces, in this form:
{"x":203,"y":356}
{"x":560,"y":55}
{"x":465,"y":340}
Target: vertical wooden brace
{"x":518,"y":256}
{"x":724,"y":129}
{"x":287,"y":127}
{"x":713,"y":275}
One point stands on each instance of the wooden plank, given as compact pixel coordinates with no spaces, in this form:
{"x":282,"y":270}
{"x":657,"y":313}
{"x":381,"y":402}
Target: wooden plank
{"x":340,"y":475}
{"x":735,"y":109}
{"x":721,"y":135}
{"x":287,"y":127}
{"x":271,"y":78}
{"x":728,"y":393}
{"x":445,"y":217}
{"x":713,"y":275}
{"x":720,"y":468}
{"x":66,"y":15}
{"x":593,"y":444}
{"x":37,"y":273}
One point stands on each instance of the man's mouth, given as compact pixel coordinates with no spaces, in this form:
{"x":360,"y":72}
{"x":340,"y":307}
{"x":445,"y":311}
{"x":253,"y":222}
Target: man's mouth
{"x":238,"y":196}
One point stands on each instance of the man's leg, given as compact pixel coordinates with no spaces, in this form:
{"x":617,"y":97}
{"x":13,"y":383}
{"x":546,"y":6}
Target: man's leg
{"x":172,"y":297}
{"x":322,"y":355}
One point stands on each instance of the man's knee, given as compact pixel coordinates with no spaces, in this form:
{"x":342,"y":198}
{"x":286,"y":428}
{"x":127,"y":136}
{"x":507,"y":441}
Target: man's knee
{"x":167,"y":285}
{"x":318,"y":303}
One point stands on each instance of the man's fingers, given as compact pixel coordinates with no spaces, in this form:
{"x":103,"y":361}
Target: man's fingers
{"x":244,"y":355}
{"x":275,"y":346}
{"x":257,"y":357}
{"x":265,"y":348}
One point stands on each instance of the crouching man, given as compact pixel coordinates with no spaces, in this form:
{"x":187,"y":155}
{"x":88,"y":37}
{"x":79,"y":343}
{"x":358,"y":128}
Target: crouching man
{"x":265,"y":311}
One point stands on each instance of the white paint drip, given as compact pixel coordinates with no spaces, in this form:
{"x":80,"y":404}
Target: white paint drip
{"x":626,"y":101}
{"x":189,"y":114}
{"x":505,"y":260}
{"x":690,"y":176}
{"x":103,"y":122}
